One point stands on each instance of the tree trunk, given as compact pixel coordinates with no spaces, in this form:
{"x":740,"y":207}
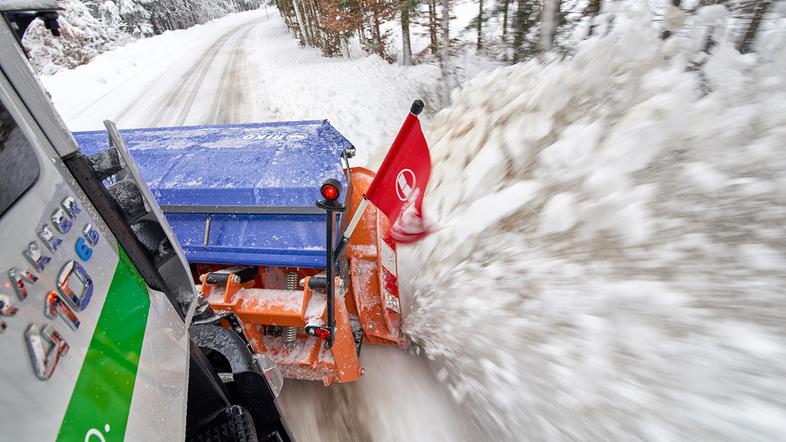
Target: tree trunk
{"x":285,"y":16}
{"x":377,"y":36}
{"x":406,"y":50}
{"x":444,"y":65}
{"x":313,"y":31}
{"x":480,"y":26}
{"x":432,"y":25}
{"x":520,"y":31}
{"x":592,"y":10}
{"x":759,"y":11}
{"x":344,"y":45}
{"x":548,"y":24}
{"x":300,"y":23}
{"x":505,"y":6}
{"x":316,"y":19}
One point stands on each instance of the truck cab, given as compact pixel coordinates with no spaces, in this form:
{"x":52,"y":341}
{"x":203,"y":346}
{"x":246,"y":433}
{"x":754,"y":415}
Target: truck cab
{"x":96,"y":327}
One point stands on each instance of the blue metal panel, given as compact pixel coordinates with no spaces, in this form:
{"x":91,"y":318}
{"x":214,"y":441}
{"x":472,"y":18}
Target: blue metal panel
{"x":262,"y":164}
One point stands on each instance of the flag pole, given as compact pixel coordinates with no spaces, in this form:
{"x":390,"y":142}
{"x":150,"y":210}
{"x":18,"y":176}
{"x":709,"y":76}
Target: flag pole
{"x":352,"y":224}
{"x":415,"y":109}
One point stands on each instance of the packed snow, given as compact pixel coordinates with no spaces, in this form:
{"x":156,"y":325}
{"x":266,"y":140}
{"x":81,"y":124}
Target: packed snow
{"x":608,"y":256}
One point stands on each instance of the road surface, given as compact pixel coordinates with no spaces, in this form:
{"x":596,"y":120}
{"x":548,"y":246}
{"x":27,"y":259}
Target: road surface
{"x":207,"y":82}
{"x":184,"y":88}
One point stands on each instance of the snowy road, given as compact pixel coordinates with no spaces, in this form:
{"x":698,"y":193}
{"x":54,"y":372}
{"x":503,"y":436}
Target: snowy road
{"x":203,"y":83}
{"x":208,"y":77}
{"x":397,"y":399}
{"x":217,"y":77}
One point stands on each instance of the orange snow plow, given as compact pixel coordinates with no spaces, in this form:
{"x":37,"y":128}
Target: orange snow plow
{"x":283,"y":311}
{"x":285,"y":249}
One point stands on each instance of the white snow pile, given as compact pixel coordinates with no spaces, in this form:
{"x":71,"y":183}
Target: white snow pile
{"x":365,"y":97}
{"x":610,"y":262}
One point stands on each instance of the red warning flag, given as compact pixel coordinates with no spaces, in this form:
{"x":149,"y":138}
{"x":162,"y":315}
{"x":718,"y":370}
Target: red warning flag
{"x":400,"y":183}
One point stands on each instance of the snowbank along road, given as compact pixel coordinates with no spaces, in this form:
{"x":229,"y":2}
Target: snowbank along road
{"x":210,"y":75}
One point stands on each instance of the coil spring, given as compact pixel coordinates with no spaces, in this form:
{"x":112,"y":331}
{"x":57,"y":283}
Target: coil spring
{"x":291,"y":283}
{"x":289,"y":334}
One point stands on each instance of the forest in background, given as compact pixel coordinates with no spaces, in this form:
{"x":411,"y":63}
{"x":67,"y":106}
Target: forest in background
{"x":509,"y":30}
{"x":505,"y":31}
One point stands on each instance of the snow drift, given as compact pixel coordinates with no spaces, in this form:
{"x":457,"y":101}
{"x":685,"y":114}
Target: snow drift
{"x":611,"y":257}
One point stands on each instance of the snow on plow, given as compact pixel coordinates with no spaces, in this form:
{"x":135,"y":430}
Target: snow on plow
{"x":258,"y":209}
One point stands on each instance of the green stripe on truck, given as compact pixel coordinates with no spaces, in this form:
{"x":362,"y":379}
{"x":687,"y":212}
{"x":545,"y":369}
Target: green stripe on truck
{"x":101,"y":400}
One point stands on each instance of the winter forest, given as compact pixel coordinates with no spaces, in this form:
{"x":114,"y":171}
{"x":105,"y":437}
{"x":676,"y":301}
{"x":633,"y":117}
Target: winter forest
{"x":506,"y":30}
{"x":502,"y":31}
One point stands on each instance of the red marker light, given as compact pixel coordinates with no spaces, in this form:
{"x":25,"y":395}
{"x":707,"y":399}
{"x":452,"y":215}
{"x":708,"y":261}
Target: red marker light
{"x":322,"y":333}
{"x":329,"y":192}
{"x":330,"y":189}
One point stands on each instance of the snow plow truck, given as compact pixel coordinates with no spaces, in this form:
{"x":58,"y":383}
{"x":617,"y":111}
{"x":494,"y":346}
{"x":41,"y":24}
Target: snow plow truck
{"x":160,"y":283}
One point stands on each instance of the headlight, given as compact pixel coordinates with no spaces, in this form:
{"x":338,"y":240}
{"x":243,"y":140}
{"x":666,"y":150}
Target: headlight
{"x":271,"y":372}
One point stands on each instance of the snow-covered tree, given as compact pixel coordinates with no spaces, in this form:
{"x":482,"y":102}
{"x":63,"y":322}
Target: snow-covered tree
{"x":87,"y":28}
{"x":90,"y":27}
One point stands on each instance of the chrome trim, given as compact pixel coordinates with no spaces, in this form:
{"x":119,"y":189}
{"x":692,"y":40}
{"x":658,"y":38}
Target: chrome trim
{"x":45,"y":359}
{"x":243,"y":210}
{"x":90,"y":234}
{"x":71,"y":207}
{"x":56,"y":304}
{"x":49,"y":239}
{"x":19,"y":278}
{"x":64,"y":279}
{"x":37,"y":259}
{"x":62,"y":222}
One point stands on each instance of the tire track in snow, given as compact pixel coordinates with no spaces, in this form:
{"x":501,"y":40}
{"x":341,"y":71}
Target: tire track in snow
{"x":230,"y":97}
{"x":89,"y":106}
{"x":172,"y":108}
{"x":139,"y":98}
{"x":192,"y":78}
{"x":172,"y":94}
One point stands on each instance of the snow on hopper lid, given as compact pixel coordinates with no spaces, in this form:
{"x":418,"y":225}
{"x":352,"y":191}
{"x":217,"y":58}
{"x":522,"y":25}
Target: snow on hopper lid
{"x":259,"y":164}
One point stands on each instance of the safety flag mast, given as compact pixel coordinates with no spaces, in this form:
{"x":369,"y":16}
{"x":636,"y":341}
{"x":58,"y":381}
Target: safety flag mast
{"x":400,"y":184}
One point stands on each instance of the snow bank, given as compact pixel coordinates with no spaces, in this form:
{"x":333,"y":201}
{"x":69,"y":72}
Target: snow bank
{"x":365,"y":98}
{"x":611,"y":259}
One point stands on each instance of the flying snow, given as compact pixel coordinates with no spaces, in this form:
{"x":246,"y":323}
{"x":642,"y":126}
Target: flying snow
{"x":609,"y":246}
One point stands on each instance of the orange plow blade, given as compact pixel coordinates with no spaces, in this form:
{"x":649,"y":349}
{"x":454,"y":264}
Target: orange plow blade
{"x":373,"y":269}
